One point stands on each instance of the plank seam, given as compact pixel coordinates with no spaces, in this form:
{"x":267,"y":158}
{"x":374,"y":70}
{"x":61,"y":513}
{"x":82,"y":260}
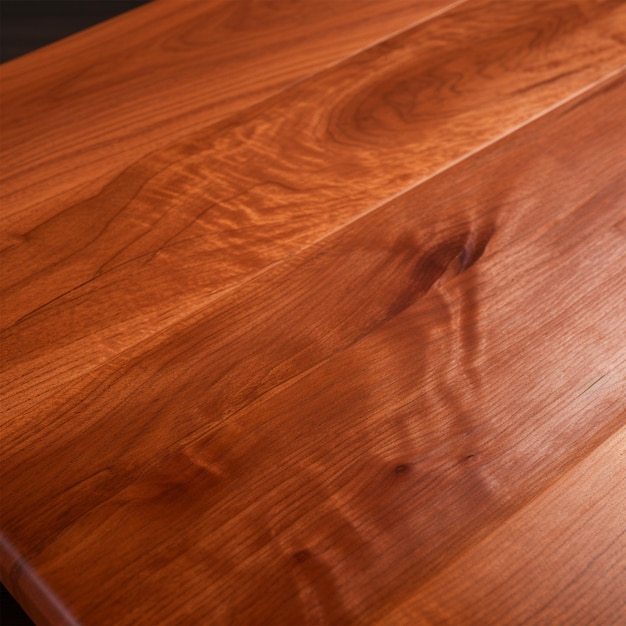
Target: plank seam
{"x":251,"y":108}
{"x":571,"y":467}
{"x":218,"y":295}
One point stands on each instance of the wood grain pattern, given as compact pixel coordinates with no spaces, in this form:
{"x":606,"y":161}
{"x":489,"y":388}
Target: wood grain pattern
{"x":575,"y":528}
{"x":187,"y":222}
{"x":337,"y":357}
{"x":78,"y":113}
{"x":397,"y":447}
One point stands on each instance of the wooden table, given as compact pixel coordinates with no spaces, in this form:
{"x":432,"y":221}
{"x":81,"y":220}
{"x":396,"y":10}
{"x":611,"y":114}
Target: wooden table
{"x":314,"y":313}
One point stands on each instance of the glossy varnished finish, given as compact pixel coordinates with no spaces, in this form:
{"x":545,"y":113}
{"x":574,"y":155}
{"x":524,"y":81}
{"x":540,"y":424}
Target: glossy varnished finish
{"x":575,"y":528}
{"x":140,"y":81}
{"x":186,"y":222}
{"x":337,"y":356}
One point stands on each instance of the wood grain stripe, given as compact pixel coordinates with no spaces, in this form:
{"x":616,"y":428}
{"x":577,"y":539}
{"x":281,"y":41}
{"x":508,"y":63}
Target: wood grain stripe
{"x":187,"y":222}
{"x":575,"y":528}
{"x":359,"y":415}
{"x":78,"y":113}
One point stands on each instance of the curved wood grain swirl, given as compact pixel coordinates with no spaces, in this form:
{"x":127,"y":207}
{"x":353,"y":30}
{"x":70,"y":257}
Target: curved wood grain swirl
{"x":314,"y":350}
{"x":403,"y":333}
{"x":189,"y":221}
{"x":80,"y":112}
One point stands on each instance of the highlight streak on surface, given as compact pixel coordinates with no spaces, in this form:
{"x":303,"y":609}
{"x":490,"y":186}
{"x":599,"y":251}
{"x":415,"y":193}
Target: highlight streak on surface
{"x":334,"y":349}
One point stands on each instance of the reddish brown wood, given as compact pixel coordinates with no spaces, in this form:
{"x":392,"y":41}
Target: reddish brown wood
{"x":78,"y":113}
{"x":189,"y":221}
{"x":561,"y":558}
{"x":336,"y":357}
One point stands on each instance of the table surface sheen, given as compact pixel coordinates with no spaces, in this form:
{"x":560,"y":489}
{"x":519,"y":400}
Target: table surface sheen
{"x":314,"y":313}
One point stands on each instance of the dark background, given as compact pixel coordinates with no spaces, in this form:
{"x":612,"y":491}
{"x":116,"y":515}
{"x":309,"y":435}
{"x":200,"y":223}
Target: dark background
{"x":30,"y":24}
{"x":26,"y":25}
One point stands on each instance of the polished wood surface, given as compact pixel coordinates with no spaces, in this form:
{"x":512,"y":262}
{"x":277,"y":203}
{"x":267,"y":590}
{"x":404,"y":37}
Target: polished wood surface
{"x":78,"y":113}
{"x":575,"y":528}
{"x":342,"y":343}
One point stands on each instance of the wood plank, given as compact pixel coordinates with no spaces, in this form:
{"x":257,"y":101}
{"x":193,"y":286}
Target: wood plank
{"x":561,"y":560}
{"x":349,"y":423}
{"x":186,"y":223}
{"x":78,"y":113}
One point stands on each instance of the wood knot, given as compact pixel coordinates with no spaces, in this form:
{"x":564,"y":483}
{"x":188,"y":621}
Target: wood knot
{"x":474,"y":247}
{"x":301,"y":556}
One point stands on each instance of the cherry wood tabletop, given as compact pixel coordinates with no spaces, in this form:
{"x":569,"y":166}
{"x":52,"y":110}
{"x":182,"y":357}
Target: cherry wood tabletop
{"x":315,"y":313}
